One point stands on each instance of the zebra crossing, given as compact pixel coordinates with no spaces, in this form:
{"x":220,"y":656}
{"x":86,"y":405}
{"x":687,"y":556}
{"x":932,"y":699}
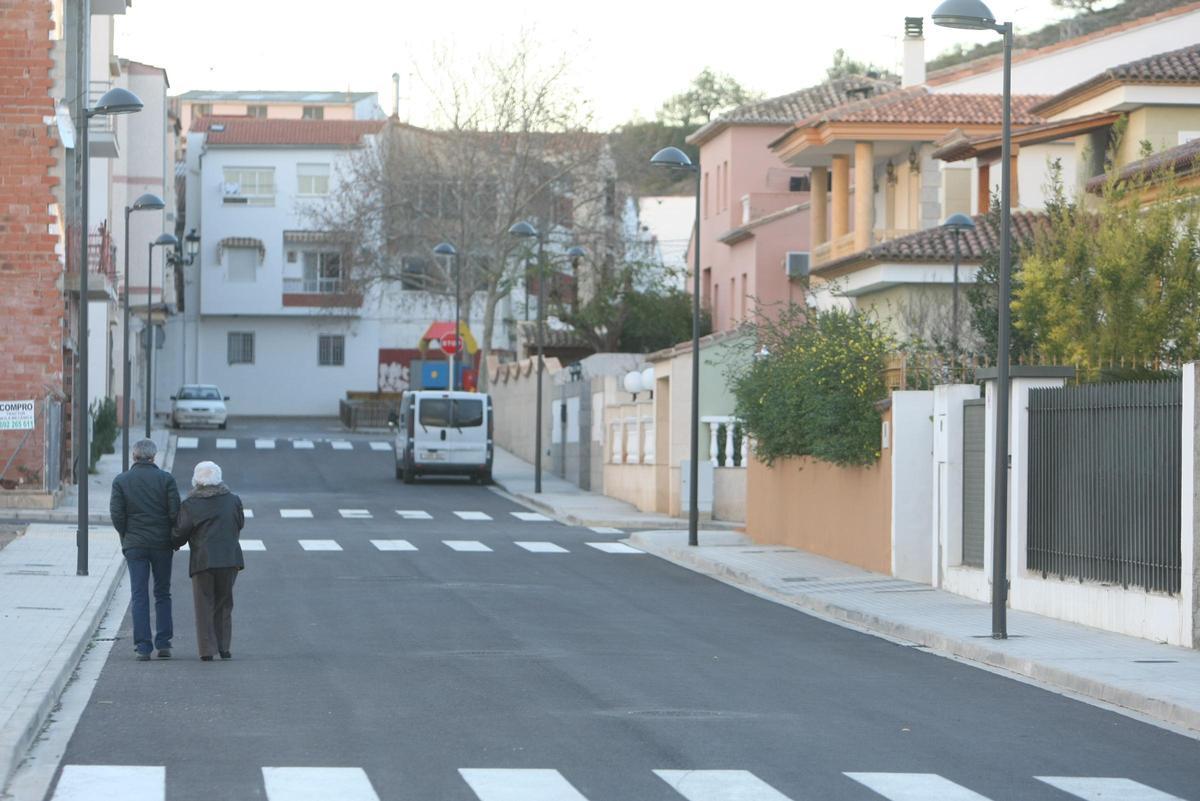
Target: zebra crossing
{"x":269,"y":444}
{"x":461,"y":546}
{"x":149,"y":783}
{"x":418,"y":514}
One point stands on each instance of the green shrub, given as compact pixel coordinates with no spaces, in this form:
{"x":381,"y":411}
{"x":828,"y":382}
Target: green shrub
{"x":104,"y":428}
{"x":813,"y":392}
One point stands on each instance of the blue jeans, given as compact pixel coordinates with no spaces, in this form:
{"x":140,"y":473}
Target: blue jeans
{"x":142,"y":562}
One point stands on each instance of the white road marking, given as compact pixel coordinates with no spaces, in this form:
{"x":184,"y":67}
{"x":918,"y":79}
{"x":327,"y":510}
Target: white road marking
{"x":253,"y":545}
{"x":318,"y":784}
{"x":295,"y":514}
{"x":394,"y":545}
{"x":720,"y":785}
{"x":381,"y":446}
{"x":541,"y":547}
{"x":531,"y":517}
{"x":187,"y":443}
{"x":264,"y":444}
{"x":302,"y":444}
{"x":466,"y":545}
{"x":226,"y":443}
{"x":248,"y":514}
{"x":605,"y":530}
{"x":414,"y":514}
{"x":320,"y":545}
{"x":613,"y":547}
{"x":342,"y":445}
{"x":112,"y":783}
{"x":915,"y":787}
{"x":355,"y":514}
{"x":473,"y":515}
{"x":1099,"y":789}
{"x":509,"y":784}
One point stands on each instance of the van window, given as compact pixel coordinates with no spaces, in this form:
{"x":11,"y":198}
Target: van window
{"x":446,"y":413}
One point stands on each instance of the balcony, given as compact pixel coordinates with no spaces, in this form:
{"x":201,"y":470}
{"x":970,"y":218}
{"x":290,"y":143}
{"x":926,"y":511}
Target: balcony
{"x":843,"y":246}
{"x":320,"y":293}
{"x":102,"y":129}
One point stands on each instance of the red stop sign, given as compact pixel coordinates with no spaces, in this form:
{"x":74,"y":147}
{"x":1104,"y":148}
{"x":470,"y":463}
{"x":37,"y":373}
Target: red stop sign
{"x":451,"y":343}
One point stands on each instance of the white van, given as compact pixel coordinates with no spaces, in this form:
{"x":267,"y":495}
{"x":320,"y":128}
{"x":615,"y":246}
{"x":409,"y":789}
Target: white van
{"x":444,"y":433}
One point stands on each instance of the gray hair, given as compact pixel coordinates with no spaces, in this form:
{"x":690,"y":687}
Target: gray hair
{"x":206,"y":474}
{"x":144,"y":450}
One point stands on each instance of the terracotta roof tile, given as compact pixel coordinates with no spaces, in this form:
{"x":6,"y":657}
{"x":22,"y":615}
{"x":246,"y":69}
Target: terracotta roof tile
{"x":1182,"y":159}
{"x":276,"y":132}
{"x":917,"y":105}
{"x":1180,"y":66}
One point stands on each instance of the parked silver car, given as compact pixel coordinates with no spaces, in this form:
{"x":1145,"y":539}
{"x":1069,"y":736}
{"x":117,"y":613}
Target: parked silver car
{"x":198,"y":404}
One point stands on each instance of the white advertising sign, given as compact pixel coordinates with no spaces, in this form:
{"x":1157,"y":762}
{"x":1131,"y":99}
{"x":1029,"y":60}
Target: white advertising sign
{"x":16,"y":415}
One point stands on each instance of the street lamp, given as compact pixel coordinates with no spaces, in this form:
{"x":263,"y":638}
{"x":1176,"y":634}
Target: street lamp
{"x":191,"y":249}
{"x":574,"y":254}
{"x":114,"y":101}
{"x":957,"y":224}
{"x":164,"y":240}
{"x":675,"y":159}
{"x":524,"y":230}
{"x":147,"y":202}
{"x":973,"y":15}
{"x":449,"y":251}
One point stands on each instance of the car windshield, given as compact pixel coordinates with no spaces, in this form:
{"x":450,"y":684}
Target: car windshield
{"x":199,"y":393}
{"x":446,"y":413}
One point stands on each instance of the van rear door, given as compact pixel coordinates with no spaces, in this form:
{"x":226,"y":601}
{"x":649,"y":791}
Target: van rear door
{"x":451,"y":431}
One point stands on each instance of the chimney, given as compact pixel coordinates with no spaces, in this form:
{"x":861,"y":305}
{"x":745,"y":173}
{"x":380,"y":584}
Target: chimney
{"x":914,"y":52}
{"x":396,"y":95}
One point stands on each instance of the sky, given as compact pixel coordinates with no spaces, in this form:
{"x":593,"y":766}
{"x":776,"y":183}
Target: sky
{"x":626,"y":57}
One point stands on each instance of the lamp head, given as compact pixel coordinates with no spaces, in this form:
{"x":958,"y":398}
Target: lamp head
{"x":969,"y":15}
{"x":148,"y":201}
{"x":576,"y":253}
{"x":522,"y":229}
{"x":959,"y":222}
{"x":672,"y":157}
{"x":116,"y":101}
{"x":193,"y":243}
{"x":444,"y":249}
{"x":167,"y":240}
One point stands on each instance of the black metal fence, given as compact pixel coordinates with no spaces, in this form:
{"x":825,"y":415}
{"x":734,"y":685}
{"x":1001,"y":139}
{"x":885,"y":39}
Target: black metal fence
{"x":1104,"y":483}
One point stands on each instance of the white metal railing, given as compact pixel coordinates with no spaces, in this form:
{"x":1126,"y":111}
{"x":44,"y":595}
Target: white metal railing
{"x":731,"y":424}
{"x":314,"y":286}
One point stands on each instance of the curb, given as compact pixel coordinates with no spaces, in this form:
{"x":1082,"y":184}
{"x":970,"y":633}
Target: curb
{"x":53,"y":679}
{"x":1157,"y":708}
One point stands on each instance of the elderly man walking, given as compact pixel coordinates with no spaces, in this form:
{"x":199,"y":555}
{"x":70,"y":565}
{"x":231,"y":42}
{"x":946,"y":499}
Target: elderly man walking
{"x":144,"y":505}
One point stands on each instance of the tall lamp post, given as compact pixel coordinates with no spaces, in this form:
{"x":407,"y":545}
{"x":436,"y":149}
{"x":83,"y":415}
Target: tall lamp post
{"x":973,"y":15}
{"x":957,"y":224}
{"x":114,"y":101}
{"x":191,"y":249}
{"x":449,"y":251}
{"x":164,"y":240}
{"x":675,"y":159}
{"x":524,"y":230}
{"x":146,"y":202}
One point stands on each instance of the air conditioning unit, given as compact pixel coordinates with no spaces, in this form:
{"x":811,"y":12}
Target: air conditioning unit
{"x":232,"y":193}
{"x":797,"y":264}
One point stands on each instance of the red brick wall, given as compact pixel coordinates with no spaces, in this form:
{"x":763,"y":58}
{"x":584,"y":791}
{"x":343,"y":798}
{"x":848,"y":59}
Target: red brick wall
{"x":31,"y":304}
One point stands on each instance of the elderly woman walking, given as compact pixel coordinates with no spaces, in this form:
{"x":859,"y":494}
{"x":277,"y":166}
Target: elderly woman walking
{"x":210,"y":521}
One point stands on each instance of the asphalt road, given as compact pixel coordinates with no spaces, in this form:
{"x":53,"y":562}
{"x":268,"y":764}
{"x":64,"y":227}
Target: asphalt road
{"x":413,"y":666}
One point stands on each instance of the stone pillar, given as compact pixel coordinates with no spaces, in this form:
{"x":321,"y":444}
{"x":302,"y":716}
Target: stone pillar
{"x":841,"y":196}
{"x":818,"y":208}
{"x":864,"y":194}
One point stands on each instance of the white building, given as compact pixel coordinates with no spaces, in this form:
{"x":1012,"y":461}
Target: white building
{"x":269,"y":314}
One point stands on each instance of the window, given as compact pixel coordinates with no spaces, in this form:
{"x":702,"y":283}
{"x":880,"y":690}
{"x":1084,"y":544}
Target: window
{"x":199,"y":393}
{"x":242,"y":264}
{"x":256,"y":111}
{"x":250,"y":186}
{"x":312,"y":179}
{"x":725,"y":185}
{"x":202,"y":109}
{"x":313,"y":113}
{"x":447,"y":413}
{"x":331,"y":350}
{"x":415,"y":272}
{"x":706,"y":195}
{"x":241,"y":347}
{"x":322,"y":271}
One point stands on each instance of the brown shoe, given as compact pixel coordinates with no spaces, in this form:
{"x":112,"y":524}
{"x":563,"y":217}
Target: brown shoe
{"x":206,"y":659}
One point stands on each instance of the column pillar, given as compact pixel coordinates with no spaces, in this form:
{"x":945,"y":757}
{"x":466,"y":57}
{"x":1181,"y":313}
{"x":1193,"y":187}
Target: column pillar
{"x":840,"y":215}
{"x":864,"y":194}
{"x":818,"y":206}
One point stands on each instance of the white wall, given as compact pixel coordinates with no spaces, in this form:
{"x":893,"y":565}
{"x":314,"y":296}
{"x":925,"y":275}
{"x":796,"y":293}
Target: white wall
{"x":912,"y":485}
{"x":947,"y":512}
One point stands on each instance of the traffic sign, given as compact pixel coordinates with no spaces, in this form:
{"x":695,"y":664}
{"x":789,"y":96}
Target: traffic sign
{"x":451,"y":343}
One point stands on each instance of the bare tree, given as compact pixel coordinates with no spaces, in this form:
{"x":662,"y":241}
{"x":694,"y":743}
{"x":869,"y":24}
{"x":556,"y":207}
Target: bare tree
{"x":511,"y":143}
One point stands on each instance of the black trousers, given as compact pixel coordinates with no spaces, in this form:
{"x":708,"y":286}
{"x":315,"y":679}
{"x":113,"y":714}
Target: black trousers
{"x":212,"y":592}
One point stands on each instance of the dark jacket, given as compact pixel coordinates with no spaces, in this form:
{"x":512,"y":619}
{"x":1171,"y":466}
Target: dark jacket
{"x":210,"y":522}
{"x":143,"y":506}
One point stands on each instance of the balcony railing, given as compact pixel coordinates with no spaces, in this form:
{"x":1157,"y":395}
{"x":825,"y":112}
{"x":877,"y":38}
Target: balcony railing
{"x":315,"y":286}
{"x":724,"y":447}
{"x":844,"y":245}
{"x":101,"y":123}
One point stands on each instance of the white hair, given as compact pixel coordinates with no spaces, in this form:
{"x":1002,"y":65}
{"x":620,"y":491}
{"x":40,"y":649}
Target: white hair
{"x":144,"y":450}
{"x":206,"y":474}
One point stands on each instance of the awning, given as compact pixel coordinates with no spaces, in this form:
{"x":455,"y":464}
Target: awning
{"x":241,"y":242}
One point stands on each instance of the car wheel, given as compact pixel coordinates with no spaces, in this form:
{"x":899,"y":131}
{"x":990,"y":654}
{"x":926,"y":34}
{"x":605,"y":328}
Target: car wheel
{"x":399,"y":471}
{"x":221,"y":426}
{"x":484,"y":478}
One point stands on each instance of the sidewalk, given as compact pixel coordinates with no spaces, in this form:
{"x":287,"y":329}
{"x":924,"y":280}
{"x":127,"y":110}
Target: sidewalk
{"x":1158,"y":681}
{"x":48,"y":614}
{"x":575,"y":506}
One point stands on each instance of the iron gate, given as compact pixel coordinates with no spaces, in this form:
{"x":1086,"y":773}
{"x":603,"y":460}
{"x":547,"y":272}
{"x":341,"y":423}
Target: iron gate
{"x":1105,"y":483}
{"x":973,"y":489}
